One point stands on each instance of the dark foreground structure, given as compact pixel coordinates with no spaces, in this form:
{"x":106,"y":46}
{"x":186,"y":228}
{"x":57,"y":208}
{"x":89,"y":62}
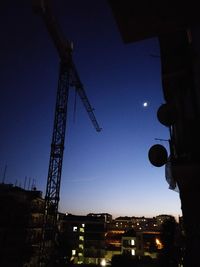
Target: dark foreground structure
{"x":20,"y":225}
{"x":176,"y":25}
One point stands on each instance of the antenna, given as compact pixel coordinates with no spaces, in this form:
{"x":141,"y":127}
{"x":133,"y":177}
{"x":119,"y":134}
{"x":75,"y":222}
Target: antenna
{"x":4,"y":174}
{"x":25,"y":179}
{"x":74,"y":113}
{"x":29,"y":182}
{"x":33,"y":186}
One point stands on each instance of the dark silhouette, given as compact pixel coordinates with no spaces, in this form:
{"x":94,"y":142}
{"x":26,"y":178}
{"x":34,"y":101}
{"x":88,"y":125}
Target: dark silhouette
{"x":132,"y":261}
{"x":170,"y":254}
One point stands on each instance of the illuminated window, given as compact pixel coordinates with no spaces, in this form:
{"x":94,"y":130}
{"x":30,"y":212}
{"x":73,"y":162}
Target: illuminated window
{"x":132,"y":252}
{"x":80,"y":254}
{"x":75,"y":228}
{"x":82,"y":230}
{"x":83,"y":225}
{"x":132,"y":242}
{"x":80,"y":246}
{"x":73,"y":252}
{"x":81,"y":237}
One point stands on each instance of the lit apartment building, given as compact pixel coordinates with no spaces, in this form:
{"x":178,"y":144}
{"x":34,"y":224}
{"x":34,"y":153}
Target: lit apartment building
{"x":139,"y":236}
{"x":85,"y":238}
{"x":136,"y":223}
{"x":129,"y":243}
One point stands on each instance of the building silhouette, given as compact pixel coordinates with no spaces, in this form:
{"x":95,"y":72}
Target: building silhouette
{"x":20,"y":225}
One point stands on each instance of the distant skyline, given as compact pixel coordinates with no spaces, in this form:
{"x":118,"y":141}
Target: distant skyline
{"x":106,"y":172}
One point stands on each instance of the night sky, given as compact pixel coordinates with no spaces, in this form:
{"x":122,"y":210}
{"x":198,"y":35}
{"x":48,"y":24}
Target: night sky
{"x":102,"y":172}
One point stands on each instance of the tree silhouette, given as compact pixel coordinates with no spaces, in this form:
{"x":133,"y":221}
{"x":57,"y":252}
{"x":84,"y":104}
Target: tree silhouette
{"x":169,"y":255}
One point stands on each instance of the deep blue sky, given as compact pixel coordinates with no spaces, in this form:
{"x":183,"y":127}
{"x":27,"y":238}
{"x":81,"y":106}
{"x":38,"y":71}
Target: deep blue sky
{"x":102,"y":172}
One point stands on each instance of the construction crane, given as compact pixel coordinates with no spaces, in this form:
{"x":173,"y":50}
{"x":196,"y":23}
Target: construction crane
{"x":68,"y":77}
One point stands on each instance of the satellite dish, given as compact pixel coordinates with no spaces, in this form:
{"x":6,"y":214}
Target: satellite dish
{"x":158,"y":155}
{"x":166,"y":115}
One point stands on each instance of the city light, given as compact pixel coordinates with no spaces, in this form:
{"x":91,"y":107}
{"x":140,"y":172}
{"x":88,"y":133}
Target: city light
{"x":103,"y":262}
{"x":159,"y":244}
{"x":132,"y":242}
{"x":73,"y":252}
{"x":133,"y":252}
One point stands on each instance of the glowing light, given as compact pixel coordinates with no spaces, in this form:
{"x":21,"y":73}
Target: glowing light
{"x":81,"y":246}
{"x":75,"y":228}
{"x":145,"y":104}
{"x":159,"y":244}
{"x":133,"y":252}
{"x":103,"y":262}
{"x":132,"y":242}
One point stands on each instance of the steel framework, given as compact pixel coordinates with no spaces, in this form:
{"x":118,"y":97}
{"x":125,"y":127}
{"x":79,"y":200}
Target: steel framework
{"x":68,"y":77}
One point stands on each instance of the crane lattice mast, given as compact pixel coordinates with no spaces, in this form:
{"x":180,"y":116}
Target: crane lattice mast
{"x":68,"y":77}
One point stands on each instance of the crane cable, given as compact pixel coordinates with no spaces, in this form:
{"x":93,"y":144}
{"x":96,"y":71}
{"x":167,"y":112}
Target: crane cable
{"x":74,"y":112}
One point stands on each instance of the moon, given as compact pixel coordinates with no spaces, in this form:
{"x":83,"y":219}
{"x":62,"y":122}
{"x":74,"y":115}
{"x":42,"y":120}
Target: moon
{"x":145,"y":104}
